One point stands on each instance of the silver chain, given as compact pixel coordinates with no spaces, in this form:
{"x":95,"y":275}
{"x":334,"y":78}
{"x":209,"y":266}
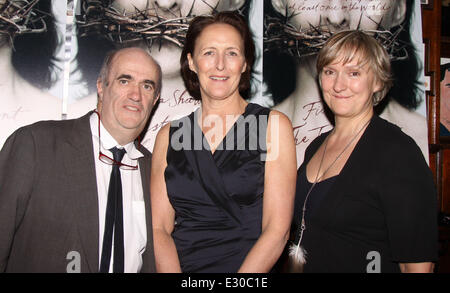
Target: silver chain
{"x":303,"y":224}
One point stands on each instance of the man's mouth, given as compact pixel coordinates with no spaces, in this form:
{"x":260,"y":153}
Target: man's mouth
{"x":132,"y":108}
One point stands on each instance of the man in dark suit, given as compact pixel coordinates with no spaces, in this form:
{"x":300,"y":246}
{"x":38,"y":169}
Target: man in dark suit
{"x":68,"y":202}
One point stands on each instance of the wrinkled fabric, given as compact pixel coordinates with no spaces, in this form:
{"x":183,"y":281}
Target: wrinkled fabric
{"x":217,"y":197}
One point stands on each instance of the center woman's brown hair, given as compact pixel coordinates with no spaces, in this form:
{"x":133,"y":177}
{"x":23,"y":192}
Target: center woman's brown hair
{"x":197,"y":25}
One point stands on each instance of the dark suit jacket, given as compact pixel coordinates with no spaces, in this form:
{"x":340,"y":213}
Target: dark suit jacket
{"x":383,"y":200}
{"x":49,"y":202}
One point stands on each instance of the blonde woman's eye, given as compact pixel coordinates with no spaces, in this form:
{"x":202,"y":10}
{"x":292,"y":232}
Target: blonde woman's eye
{"x":355,"y":74}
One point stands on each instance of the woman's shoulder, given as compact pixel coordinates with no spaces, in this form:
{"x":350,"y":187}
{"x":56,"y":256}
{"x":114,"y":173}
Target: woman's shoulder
{"x":178,"y":122}
{"x":257,"y":109}
{"x":316,"y":142}
{"x":281,"y":117}
{"x":390,"y":134}
{"x":314,"y":146}
{"x":391,"y":139}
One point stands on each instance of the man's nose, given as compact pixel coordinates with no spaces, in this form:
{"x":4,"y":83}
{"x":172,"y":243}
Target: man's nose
{"x":135,"y":92}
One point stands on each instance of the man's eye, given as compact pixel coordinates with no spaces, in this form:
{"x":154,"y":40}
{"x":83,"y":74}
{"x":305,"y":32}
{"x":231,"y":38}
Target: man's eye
{"x":147,"y":87}
{"x":328,"y":72}
{"x":123,"y":81}
{"x":232,"y":53}
{"x":208,"y":53}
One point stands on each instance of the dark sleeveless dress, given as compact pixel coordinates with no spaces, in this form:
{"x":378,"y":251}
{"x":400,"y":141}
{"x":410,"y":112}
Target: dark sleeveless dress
{"x":217,"y":197}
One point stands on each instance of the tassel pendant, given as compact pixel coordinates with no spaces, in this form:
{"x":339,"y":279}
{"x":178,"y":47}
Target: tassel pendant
{"x":297,"y":253}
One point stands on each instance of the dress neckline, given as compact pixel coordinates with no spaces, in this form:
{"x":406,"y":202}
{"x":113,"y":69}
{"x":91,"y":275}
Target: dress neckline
{"x":232,"y":128}
{"x":322,"y":181}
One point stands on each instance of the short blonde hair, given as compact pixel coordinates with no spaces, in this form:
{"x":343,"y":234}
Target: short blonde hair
{"x":346,"y":45}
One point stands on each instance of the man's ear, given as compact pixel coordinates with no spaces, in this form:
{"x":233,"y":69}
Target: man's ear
{"x":99,"y":90}
{"x":279,"y":6}
{"x":230,"y":5}
{"x":191,"y":63}
{"x":155,"y":99}
{"x":399,"y":13}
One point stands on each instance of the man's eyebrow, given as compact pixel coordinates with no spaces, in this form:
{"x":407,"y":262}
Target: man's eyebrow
{"x":124,"y":76}
{"x":127,"y":76}
{"x":149,"y":81}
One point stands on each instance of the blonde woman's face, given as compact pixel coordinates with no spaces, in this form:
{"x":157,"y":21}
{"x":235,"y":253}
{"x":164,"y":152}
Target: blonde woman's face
{"x":336,"y":16}
{"x":348,"y":87}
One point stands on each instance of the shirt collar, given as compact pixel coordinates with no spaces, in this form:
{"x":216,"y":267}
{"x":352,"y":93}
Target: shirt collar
{"x":107,"y":141}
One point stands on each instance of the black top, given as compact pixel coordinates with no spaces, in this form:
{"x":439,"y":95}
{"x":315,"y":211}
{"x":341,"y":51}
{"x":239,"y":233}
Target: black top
{"x":316,"y":196}
{"x":382,"y":202}
{"x":217,"y":197}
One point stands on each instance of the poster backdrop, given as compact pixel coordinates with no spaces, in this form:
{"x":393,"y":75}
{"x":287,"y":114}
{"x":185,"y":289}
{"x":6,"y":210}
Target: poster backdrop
{"x":288,"y":34}
{"x":295,"y":30}
{"x":28,"y":64}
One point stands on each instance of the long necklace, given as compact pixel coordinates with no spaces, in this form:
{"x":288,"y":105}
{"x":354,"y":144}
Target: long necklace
{"x":296,"y":251}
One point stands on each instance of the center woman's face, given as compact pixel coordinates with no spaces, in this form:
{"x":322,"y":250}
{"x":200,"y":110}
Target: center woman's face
{"x":218,"y":60}
{"x":341,"y":15}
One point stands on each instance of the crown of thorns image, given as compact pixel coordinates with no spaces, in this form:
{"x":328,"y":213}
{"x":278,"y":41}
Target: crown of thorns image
{"x":20,"y":17}
{"x":99,"y":17}
{"x":280,"y":34}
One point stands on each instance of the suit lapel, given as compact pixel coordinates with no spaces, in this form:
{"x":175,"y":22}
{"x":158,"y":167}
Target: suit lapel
{"x":148,"y":262}
{"x":80,"y":167}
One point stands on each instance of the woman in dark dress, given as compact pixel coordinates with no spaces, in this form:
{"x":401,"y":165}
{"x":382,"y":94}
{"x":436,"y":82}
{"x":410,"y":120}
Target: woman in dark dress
{"x":222,"y":183}
{"x":365,"y":198}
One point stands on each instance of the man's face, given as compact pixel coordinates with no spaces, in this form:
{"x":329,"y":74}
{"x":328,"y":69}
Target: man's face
{"x":342,"y":15}
{"x":128,"y":94}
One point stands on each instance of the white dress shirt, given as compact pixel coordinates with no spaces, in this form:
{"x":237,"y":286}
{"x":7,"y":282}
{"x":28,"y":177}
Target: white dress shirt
{"x":134,"y":225}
